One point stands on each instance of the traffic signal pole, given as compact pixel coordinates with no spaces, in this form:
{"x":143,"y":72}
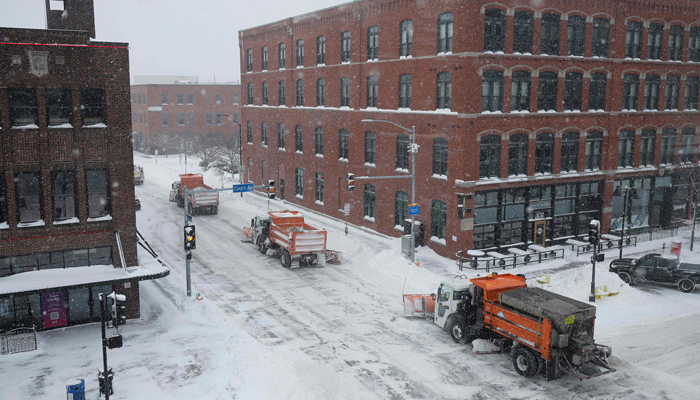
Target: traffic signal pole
{"x":103,"y":312}
{"x":188,"y":253}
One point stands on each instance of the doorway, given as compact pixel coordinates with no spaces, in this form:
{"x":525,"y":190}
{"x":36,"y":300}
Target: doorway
{"x":540,"y":232}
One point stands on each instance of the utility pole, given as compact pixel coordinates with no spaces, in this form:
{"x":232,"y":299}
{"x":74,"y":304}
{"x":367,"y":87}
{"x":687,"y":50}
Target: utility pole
{"x":594,"y":239}
{"x":694,"y":191}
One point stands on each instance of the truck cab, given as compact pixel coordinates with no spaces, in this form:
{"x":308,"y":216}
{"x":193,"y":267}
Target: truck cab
{"x":449,"y":296}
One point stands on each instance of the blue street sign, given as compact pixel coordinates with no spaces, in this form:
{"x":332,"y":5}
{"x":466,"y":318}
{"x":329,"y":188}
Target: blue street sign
{"x":246,"y":187}
{"x":414,"y":209}
{"x":189,"y":217}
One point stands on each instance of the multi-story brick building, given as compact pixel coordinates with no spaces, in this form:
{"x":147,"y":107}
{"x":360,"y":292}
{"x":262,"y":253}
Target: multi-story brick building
{"x":528,"y":114}
{"x":66,"y":176}
{"x":167,"y":109}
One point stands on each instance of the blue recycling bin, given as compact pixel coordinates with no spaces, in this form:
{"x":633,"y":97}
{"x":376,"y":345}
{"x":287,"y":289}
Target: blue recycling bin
{"x":75,"y":389}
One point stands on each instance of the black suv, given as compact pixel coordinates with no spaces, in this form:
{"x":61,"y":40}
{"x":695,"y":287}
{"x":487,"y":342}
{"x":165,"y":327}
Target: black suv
{"x":658,"y":268}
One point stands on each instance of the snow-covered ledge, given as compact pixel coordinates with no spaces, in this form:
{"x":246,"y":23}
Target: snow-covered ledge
{"x":31,"y":224}
{"x":73,"y":220}
{"x":105,"y":218}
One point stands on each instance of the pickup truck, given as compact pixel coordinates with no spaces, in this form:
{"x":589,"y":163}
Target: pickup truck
{"x":657,"y":268}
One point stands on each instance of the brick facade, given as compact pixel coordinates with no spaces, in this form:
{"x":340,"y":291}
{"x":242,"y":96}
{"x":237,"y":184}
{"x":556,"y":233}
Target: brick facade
{"x":463,"y":124}
{"x":150,"y":134}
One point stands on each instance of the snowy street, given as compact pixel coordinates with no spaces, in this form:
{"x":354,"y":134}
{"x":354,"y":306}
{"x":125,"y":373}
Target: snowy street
{"x":337,"y":332}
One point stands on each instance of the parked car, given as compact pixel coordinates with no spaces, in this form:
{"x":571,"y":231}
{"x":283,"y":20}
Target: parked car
{"x":657,"y":268}
{"x":137,"y":206}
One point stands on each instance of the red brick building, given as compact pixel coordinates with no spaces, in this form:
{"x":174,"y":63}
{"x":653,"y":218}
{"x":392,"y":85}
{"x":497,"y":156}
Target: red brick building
{"x":166,"y":109}
{"x":66,"y":177}
{"x":528,"y":114}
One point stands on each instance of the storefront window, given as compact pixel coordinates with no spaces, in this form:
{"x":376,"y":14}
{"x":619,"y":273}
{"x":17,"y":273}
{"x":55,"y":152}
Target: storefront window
{"x":78,"y":305}
{"x":638,"y":211}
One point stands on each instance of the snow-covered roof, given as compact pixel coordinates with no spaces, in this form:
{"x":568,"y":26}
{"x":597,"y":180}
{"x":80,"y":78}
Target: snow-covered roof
{"x":51,"y":279}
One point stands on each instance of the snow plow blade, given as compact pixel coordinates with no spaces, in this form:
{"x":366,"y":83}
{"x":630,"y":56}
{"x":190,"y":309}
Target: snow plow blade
{"x":333,"y":257}
{"x":418,"y":305}
{"x":248,"y":234}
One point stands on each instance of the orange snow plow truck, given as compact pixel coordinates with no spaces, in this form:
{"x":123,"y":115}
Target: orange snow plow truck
{"x":197,"y":203}
{"x":292,"y":240}
{"x":545,"y":332}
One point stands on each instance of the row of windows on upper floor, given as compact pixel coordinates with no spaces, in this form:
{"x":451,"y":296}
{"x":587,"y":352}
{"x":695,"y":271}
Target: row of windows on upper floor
{"x":63,"y":193}
{"x":140,"y":118}
{"x":518,"y":161}
{"x":59,"y":107}
{"x":523,"y":29}
{"x":438,"y":210}
{"x":520,"y":92}
{"x":138,"y":98}
{"x":545,"y":148}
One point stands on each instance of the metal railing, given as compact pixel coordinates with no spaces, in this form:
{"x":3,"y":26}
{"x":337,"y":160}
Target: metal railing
{"x":487,"y":263}
{"x":18,"y":340}
{"x":606,"y":244}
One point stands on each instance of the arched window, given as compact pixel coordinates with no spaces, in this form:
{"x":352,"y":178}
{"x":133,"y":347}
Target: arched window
{"x":655,"y":46}
{"x":265,"y":95}
{"x":370,"y":147}
{"x":372,"y":91}
{"x":300,"y":93}
{"x":438,"y":220}
{"x":520,"y":91}
{"x":300,"y":53}
{"x":544,"y":153}
{"x":594,"y":150}
{"x":625,"y":149}
{"x":319,"y":187}
{"x":321,"y":50}
{"x":281,"y":93}
{"x":691,"y":93}
{"x":490,"y":157}
{"x":549,"y":43}
{"x":646,"y":147}
{"x":633,"y":40}
{"x":668,"y":146}
{"x":494,"y":30}
{"x":263,"y":56}
{"x":319,"y":141}
{"x":673,"y":88}
{"x":492,"y":91}
{"x":522,"y":34}
{"x":345,"y":47}
{"x":440,"y":156}
{"x":343,"y":137}
{"x":694,"y":45}
{"x":576,"y":36}
{"x":569,"y":152}
{"x":320,"y":92}
{"x":369,"y":201}
{"x":373,"y":42}
{"x":444,"y":90}
{"x":651,"y":92}
{"x":444,"y":41}
{"x":629,"y":92}
{"x":675,"y":43}
{"x":547,"y":92}
{"x":281,"y":54}
{"x":687,"y":145}
{"x":345,"y":92}
{"x":573,"y":91}
{"x":402,"y":151}
{"x":299,"y":182}
{"x":400,"y":208}
{"x":596,"y":92}
{"x":601,"y":37}
{"x":406,"y":38}
{"x":517,"y":155}
{"x":405,"y":89}
{"x":280,"y":136}
{"x":298,"y":139}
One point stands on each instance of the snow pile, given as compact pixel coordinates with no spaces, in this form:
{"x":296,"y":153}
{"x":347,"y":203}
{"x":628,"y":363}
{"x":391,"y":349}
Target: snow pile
{"x":484,"y":346}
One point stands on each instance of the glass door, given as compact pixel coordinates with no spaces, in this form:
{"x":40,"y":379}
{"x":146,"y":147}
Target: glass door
{"x":78,"y":306}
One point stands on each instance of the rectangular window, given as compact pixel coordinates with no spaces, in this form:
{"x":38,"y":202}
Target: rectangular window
{"x":369,"y":201}
{"x":673,"y":88}
{"x":63,"y":191}
{"x":164,"y":99}
{"x":299,"y":182}
{"x":646,"y":148}
{"x":444,"y":91}
{"x":263,"y":133}
{"x":675,"y":43}
{"x":93,"y":107}
{"x":691,"y":93}
{"x":219,"y":118}
{"x":440,"y":156}
{"x":263,"y":57}
{"x":165,"y":120}
{"x":400,"y":208}
{"x":668,"y":146}
{"x":320,"y":92}
{"x":265,"y":97}
{"x":402,"y":152}
{"x":633,"y":40}
{"x":319,"y":141}
{"x":321,"y":50}
{"x":59,"y":108}
{"x":281,"y":54}
{"x":23,"y":109}
{"x":343,"y":137}
{"x":280,"y":136}
{"x":373,"y":43}
{"x":190,"y":118}
{"x":281,"y":89}
{"x":249,"y":131}
{"x":298,"y":139}
{"x":28,"y":193}
{"x":319,"y":187}
{"x":522,"y":35}
{"x":3,"y":202}
{"x":181,"y":118}
{"x":97,"y":182}
{"x":345,"y":92}
{"x":625,"y":149}
{"x":406,"y":38}
{"x":492,"y":91}
{"x":300,"y":53}
{"x":601,"y":37}
{"x":694,"y":45}
{"x":180,"y":99}
{"x":345,"y":47}
{"x":190,"y":99}
{"x":629,"y":92}
{"x":249,"y":60}
{"x":372,"y":91}
{"x":687,"y":145}
{"x":445,"y":27}
{"x":250,"y":93}
{"x":236,"y":99}
{"x":438,"y":220}
{"x":405,"y":89}
{"x":300,"y":93}
{"x":210,"y":118}
{"x":217,"y":99}
{"x":370,"y":148}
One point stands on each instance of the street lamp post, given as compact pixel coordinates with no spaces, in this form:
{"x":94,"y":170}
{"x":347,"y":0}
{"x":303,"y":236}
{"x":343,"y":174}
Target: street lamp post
{"x":240,"y":147}
{"x":629,"y":194}
{"x":414,"y":150}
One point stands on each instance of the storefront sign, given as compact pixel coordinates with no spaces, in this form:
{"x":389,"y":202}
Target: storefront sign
{"x":53,"y":309}
{"x":662,"y":171}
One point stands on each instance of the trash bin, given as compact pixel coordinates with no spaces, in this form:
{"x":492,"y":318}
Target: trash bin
{"x":75,"y":389}
{"x":676,"y":248}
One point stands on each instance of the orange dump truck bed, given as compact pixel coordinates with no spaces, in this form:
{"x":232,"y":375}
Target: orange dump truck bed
{"x":290,"y":232}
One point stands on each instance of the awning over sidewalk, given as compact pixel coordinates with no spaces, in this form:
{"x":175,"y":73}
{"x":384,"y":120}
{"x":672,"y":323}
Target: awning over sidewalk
{"x":52,"y":279}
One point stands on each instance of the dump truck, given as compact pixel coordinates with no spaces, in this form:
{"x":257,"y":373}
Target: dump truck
{"x":290,"y":238}
{"x":546,"y":333}
{"x":197,"y":203}
{"x":139,"y":175}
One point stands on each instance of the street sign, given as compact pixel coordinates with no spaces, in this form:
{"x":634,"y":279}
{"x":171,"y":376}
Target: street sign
{"x":189,"y":217}
{"x":414,"y":209}
{"x":245,"y":187}
{"x":347,"y":209}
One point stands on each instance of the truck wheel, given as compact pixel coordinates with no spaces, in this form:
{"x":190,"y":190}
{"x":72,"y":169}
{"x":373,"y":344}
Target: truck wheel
{"x":261,"y":245}
{"x":686,"y":285}
{"x":626,"y":278}
{"x":285,"y":259}
{"x":215,"y":210}
{"x":525,"y":362}
{"x":458,"y":330}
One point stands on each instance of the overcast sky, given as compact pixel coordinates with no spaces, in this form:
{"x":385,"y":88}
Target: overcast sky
{"x":173,"y":37}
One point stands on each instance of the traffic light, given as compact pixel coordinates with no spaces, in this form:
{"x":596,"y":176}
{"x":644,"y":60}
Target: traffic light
{"x":190,"y":238}
{"x":119,"y":309}
{"x":270,"y":189}
{"x":115,"y":342}
{"x":594,"y":232}
{"x":351,"y":182}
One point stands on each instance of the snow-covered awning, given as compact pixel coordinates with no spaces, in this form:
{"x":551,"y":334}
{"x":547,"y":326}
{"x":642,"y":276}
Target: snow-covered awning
{"x":56,"y":279}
